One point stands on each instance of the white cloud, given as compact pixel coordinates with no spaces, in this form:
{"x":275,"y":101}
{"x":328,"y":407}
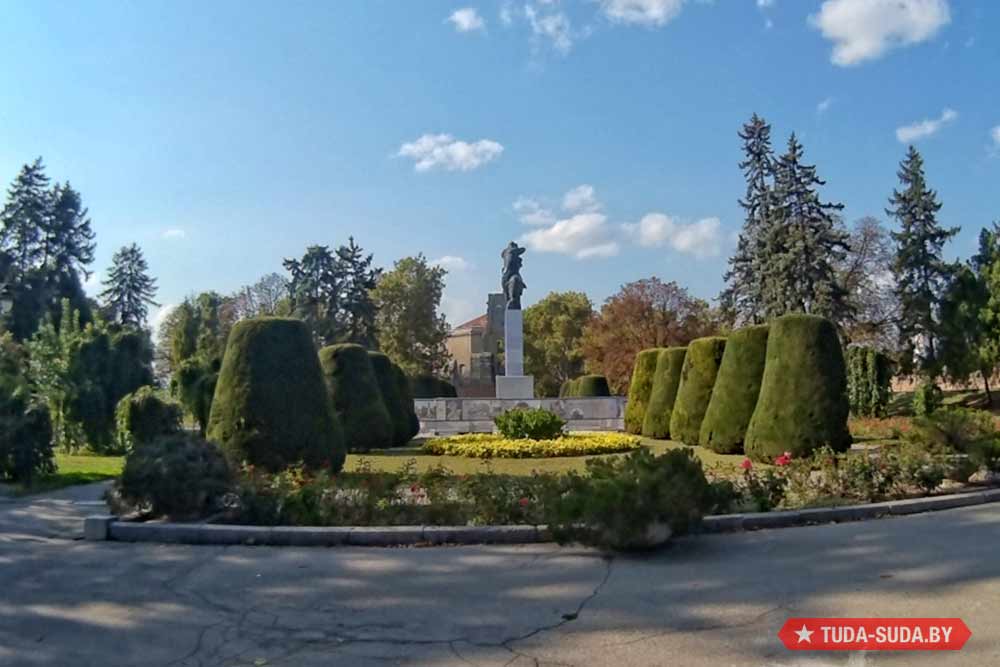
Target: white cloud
{"x":581,"y":199}
{"x":702,"y":238}
{"x":506,"y":14}
{"x":92,"y":285}
{"x":995,"y":136}
{"x":642,"y":12}
{"x":174,"y":233}
{"x":467,"y":19}
{"x":866,"y":29}
{"x":452,"y":263}
{"x":765,"y":4}
{"x":554,"y":27}
{"x":443,"y":150}
{"x":924,"y":128}
{"x":583,"y":236}
{"x":824,"y":105}
{"x":531,"y":212}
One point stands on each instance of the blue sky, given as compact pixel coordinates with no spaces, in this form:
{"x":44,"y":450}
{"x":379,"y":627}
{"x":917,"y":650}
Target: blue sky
{"x":225,"y":136}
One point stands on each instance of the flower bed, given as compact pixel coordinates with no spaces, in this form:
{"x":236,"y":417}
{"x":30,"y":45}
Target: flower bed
{"x":489,"y":445}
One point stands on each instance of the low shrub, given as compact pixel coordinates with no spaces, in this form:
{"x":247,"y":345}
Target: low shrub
{"x":530,"y":423}
{"x":179,"y":476}
{"x":588,"y":386}
{"x":143,"y":416}
{"x":618,"y":500}
{"x":488,"y":445}
{"x":430,"y":386}
{"x":927,"y":398}
{"x":25,"y":426}
{"x":406,"y":396}
{"x":955,"y":429}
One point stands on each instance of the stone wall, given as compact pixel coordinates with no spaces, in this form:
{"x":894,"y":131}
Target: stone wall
{"x":475,"y":415}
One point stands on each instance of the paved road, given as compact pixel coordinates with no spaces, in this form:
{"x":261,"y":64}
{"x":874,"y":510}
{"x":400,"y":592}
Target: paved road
{"x":708,"y":600}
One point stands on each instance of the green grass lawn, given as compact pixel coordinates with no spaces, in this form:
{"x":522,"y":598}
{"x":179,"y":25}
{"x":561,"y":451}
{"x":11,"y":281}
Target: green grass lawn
{"x":394,"y":459}
{"x":73,"y":469}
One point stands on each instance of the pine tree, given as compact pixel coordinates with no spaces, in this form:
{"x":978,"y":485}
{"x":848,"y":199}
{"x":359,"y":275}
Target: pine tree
{"x":69,"y":239}
{"x":25,"y":219}
{"x":802,"y":245}
{"x":743,"y":296}
{"x":921,"y":272}
{"x":315,"y":292}
{"x":128,"y":289}
{"x":357,"y":279}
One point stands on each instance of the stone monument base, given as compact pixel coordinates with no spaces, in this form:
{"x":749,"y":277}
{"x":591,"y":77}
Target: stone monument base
{"x":515,"y":386}
{"x":447,"y":416}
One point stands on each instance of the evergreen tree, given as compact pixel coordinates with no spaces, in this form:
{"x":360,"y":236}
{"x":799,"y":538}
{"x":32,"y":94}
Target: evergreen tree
{"x":921,"y":272}
{"x":69,"y":239}
{"x":357,"y":279}
{"x":315,"y":292}
{"x":25,"y":219}
{"x":129,"y":289}
{"x":802,"y":245}
{"x":743,"y":296}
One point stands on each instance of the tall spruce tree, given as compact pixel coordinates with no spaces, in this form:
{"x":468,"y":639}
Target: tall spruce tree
{"x":314,"y":288}
{"x":25,"y":219}
{"x":129,"y":288}
{"x":743,"y":296}
{"x":357,"y":278}
{"x":69,"y":238}
{"x":803,"y":244}
{"x":921,"y":272}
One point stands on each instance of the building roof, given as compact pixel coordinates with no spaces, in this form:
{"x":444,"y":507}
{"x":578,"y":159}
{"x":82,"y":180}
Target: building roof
{"x":475,"y":323}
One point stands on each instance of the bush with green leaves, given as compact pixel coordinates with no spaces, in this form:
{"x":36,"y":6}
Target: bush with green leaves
{"x":399,"y":416}
{"x":356,"y":398}
{"x":927,"y":398}
{"x":640,"y":388}
{"x":530,"y":423}
{"x":869,"y":381}
{"x":25,"y":425}
{"x":803,"y":395}
{"x":614,"y":505}
{"x":961,"y":430}
{"x":666,"y":380}
{"x":588,"y":386}
{"x":736,"y":390}
{"x":701,"y":366}
{"x":406,"y":396}
{"x":143,"y":416}
{"x":271,"y":407}
{"x":194,"y":383}
{"x":178,"y":476}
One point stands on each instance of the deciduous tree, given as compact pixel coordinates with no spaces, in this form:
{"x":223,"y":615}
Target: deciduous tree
{"x":553,"y":335}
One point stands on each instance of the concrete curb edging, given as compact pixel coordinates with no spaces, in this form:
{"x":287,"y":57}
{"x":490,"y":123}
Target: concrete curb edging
{"x":108,"y":527}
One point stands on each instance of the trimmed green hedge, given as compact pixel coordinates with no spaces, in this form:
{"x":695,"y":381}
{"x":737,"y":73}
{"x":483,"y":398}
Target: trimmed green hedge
{"x":430,"y":386}
{"x":406,"y":396}
{"x":803,"y":396}
{"x":591,"y":385}
{"x":354,"y":391}
{"x":869,"y":381}
{"x":737,"y":387}
{"x":666,"y":381}
{"x":143,"y":416}
{"x":398,"y":414}
{"x":640,"y":388}
{"x":701,"y":364}
{"x":271,"y":408}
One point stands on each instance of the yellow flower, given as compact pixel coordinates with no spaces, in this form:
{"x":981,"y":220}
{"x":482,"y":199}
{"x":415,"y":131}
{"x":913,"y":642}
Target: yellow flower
{"x":494,"y":445}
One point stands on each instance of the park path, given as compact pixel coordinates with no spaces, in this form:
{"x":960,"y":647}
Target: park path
{"x":707,"y":600}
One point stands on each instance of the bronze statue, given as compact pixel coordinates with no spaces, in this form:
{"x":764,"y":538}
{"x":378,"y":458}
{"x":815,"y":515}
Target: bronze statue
{"x":511,"y":281}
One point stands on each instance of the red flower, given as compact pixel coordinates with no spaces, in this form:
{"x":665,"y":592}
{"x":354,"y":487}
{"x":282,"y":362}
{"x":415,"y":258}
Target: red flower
{"x":783,"y":460}
{"x":523,"y":502}
{"x":414,"y":488}
{"x":747,"y":464}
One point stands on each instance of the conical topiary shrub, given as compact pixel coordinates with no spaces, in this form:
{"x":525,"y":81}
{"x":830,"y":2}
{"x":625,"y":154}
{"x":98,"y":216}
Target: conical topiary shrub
{"x":666,"y":381}
{"x":640,"y":388}
{"x":734,"y":396}
{"x":406,"y":396}
{"x":803,"y":396}
{"x":591,"y":385}
{"x":356,"y":398}
{"x":386,"y":379}
{"x":701,"y":364}
{"x":270,"y":407}
{"x":430,"y":386}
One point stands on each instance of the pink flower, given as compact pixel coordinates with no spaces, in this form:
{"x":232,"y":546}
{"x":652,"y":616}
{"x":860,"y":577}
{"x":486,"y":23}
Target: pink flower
{"x":783,"y":460}
{"x":747,"y":464}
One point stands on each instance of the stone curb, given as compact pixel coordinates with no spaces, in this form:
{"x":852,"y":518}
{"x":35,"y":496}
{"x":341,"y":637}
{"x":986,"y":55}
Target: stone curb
{"x":107,"y":527}
{"x":725,"y":523}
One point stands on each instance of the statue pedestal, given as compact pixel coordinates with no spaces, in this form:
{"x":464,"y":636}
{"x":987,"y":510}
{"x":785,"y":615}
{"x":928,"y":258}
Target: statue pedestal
{"x":515,"y":384}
